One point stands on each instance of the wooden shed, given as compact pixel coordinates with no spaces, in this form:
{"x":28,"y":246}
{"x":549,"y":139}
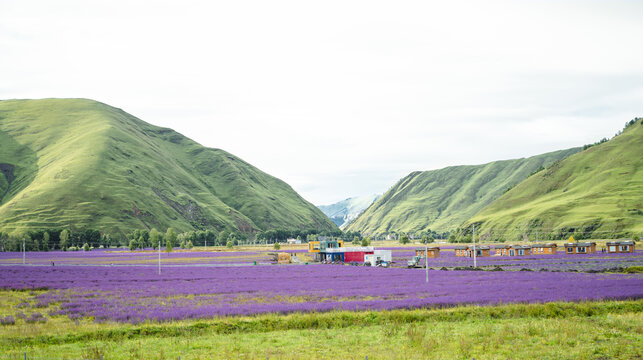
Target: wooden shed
{"x":544,"y":249}
{"x":512,"y":250}
{"x":481,"y":250}
{"x":580,"y":248}
{"x":461,"y":251}
{"x":467,"y":251}
{"x":626,"y":246}
{"x":434,"y":252}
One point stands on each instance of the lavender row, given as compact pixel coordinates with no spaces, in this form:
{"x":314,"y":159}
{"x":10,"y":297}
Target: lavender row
{"x":139,"y":294}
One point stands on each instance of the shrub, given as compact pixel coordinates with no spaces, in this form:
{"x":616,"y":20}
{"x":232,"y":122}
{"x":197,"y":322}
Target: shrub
{"x":133,"y":245}
{"x":404,"y":239}
{"x":229,"y":244}
{"x":636,"y":237}
{"x":36,"y":317}
{"x":86,"y":247}
{"x":189,"y":244}
{"x":7,"y":320}
{"x":277,"y":246}
{"x":366,"y":241}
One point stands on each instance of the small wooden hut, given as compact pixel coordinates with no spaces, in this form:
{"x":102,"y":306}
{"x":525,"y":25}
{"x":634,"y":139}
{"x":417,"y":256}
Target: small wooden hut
{"x":580,"y":248}
{"x":544,"y":249}
{"x":626,"y":246}
{"x":434,"y":252}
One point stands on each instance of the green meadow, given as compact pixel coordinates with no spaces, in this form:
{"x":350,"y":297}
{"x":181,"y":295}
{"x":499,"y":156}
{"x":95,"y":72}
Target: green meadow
{"x":586,"y":330}
{"x":595,"y":193}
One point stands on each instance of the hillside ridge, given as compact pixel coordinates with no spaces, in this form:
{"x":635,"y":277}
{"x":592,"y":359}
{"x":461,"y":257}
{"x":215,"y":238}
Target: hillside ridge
{"x":440,"y":200}
{"x":78,"y":162}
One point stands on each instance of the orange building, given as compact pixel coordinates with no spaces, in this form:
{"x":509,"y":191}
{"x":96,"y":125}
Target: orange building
{"x":544,"y":249}
{"x":467,"y":251}
{"x":580,"y":248}
{"x":512,"y":250}
{"x":433,"y":252}
{"x":627,"y":246}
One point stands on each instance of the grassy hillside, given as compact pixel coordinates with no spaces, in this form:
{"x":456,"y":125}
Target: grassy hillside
{"x":442,"y":199}
{"x":344,"y":211}
{"x":81,"y":163}
{"x":596,"y":193}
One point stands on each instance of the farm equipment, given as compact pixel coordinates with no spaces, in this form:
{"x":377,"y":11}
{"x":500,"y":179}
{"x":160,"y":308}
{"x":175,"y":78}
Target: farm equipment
{"x":415,"y":262}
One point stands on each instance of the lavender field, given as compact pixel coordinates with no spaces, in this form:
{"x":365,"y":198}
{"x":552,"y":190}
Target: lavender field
{"x":139,"y":257}
{"x":558,"y":262}
{"x":138,"y":293}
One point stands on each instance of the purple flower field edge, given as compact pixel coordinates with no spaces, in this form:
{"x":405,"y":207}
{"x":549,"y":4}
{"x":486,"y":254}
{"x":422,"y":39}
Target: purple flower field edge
{"x":559,"y":262}
{"x":127,"y":294}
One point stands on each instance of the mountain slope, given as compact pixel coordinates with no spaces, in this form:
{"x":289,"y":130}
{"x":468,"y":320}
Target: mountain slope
{"x":343,"y":212}
{"x":596,"y":193}
{"x":81,"y":163}
{"x":442,"y":199}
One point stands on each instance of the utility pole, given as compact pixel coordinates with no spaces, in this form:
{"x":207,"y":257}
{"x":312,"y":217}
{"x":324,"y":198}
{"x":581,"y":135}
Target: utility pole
{"x":159,"y":257}
{"x":426,"y":259}
{"x":475,"y":264}
{"x":23,"y":252}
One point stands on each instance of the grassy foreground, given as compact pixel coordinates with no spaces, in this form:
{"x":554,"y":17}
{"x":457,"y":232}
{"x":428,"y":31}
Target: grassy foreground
{"x":590,"y":330}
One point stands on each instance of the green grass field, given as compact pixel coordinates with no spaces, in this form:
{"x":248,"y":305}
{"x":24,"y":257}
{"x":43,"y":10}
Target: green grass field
{"x":84,"y":164}
{"x":591,"y":330}
{"x":442,"y":199}
{"x":597,"y":192}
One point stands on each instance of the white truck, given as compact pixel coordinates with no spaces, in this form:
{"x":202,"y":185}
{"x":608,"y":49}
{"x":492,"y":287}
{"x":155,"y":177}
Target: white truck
{"x":381,"y":258}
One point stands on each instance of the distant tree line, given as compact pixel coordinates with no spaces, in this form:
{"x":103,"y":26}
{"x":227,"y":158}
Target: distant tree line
{"x":87,"y":239}
{"x":55,"y":239}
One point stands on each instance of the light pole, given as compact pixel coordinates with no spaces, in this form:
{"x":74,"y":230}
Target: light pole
{"x":475,"y":264}
{"x":426,"y":259}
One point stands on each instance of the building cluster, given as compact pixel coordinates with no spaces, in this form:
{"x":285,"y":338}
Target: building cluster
{"x":334,"y":251}
{"x":626,"y":246}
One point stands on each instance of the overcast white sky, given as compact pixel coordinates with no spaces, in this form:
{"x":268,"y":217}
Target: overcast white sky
{"x":341,"y":98}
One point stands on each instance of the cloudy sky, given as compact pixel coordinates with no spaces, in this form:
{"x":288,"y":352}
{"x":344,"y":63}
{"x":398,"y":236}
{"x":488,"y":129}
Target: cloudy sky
{"x":341,"y":98}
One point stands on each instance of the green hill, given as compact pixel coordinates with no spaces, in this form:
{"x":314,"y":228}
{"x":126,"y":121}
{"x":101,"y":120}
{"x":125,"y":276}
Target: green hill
{"x":597,"y":193}
{"x":84,"y":164}
{"x":442,"y":199}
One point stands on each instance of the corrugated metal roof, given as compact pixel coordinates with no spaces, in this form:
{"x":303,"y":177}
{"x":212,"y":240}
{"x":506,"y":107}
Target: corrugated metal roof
{"x":624,"y":242}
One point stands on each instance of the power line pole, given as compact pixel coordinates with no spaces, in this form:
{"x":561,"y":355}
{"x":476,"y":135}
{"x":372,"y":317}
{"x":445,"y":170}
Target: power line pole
{"x":475,"y":264}
{"x":426,"y":259}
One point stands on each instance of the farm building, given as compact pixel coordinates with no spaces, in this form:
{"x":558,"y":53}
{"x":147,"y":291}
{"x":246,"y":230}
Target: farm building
{"x":346,"y":254}
{"x":433,"y":252}
{"x":461,"y":251}
{"x":580,"y":248}
{"x":544,"y":249}
{"x":512,"y":250}
{"x":626,"y":246}
{"x":319,"y":247}
{"x":378,"y":256}
{"x":467,"y":251}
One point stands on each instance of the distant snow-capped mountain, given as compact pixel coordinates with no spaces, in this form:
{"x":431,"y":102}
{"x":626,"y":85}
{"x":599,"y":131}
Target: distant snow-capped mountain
{"x":343,"y":212}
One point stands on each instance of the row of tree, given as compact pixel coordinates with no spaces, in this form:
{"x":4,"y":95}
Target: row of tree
{"x":65,"y":239}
